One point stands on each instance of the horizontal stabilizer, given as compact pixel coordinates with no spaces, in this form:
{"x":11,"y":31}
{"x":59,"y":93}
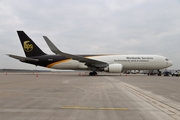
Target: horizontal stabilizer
{"x":22,"y":58}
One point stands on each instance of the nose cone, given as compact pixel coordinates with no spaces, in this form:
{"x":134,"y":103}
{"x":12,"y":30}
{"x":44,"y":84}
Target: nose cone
{"x":170,"y":63}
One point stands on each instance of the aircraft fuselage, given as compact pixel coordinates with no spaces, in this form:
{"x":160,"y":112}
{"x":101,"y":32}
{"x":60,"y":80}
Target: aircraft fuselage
{"x":129,"y":62}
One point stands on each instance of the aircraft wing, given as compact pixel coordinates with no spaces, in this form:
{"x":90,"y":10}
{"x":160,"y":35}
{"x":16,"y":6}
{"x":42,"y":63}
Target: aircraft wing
{"x":87,"y":61}
{"x":22,"y":58}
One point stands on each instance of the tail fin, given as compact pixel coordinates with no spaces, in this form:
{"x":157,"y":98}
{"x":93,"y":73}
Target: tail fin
{"x":30,"y":48}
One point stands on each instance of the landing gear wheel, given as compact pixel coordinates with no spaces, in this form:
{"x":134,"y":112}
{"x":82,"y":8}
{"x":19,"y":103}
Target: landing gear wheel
{"x":92,"y":73}
{"x":95,"y":73}
{"x":159,"y":73}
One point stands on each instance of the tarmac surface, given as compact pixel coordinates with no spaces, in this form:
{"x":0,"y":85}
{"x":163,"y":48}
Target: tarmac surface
{"x":68,"y":96}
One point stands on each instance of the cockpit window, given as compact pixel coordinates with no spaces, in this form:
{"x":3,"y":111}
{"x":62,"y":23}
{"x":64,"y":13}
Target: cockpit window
{"x":166,"y":59}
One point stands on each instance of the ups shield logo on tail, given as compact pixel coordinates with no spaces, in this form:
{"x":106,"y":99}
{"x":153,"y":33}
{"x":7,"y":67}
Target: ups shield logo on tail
{"x":28,"y":47}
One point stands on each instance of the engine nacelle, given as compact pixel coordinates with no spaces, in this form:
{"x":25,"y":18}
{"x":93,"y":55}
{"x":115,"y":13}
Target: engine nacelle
{"x":114,"y":68}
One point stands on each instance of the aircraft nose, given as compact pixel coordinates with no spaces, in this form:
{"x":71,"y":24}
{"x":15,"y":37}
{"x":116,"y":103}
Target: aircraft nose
{"x":170,"y":63}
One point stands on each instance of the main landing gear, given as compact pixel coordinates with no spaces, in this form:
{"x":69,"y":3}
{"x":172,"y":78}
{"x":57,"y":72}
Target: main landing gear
{"x":159,"y":73}
{"x":93,"y":73}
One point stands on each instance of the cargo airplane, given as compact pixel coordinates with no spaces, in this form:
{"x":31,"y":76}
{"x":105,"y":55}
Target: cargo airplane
{"x":94,"y":63}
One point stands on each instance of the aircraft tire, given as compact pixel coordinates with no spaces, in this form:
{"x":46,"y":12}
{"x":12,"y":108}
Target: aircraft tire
{"x":92,"y":73}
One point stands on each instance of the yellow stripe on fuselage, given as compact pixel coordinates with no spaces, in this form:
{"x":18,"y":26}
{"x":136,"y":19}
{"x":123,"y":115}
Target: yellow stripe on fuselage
{"x":58,"y":62}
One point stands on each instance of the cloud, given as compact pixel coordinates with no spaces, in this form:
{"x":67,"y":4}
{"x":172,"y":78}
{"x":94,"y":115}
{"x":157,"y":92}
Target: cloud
{"x":110,"y":26}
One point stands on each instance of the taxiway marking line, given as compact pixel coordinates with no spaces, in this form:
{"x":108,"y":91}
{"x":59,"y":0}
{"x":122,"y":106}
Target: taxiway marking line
{"x":113,"y":109}
{"x":91,"y":108}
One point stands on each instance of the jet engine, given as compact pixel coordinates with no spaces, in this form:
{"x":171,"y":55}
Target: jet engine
{"x":114,"y":68}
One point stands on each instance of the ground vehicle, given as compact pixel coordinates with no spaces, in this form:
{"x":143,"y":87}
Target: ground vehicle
{"x":176,"y":73}
{"x":166,"y":73}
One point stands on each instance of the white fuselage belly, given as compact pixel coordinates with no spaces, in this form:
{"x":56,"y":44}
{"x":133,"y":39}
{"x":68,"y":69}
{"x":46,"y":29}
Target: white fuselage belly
{"x":129,"y":62}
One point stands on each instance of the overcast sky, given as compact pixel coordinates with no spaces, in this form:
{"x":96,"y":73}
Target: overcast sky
{"x":91,"y":27}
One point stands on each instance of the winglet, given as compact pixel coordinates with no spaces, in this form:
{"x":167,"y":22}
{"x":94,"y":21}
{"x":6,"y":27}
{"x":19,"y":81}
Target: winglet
{"x":53,"y":48}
